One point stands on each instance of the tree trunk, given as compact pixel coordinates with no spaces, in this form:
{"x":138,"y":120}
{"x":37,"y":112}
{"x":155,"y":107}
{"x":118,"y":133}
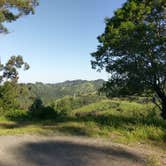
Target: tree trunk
{"x":162,"y":97}
{"x":163,"y":111}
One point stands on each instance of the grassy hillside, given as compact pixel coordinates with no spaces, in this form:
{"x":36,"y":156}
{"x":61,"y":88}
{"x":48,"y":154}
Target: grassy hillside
{"x":124,"y":121}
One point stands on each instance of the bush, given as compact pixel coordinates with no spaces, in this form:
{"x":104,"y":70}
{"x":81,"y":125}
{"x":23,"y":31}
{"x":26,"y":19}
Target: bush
{"x":38,"y":110}
{"x":17,"y":115}
{"x":37,"y":106}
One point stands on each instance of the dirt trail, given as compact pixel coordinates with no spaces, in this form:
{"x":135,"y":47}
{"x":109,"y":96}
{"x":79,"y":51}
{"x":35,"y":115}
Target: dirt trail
{"x":27,"y":150}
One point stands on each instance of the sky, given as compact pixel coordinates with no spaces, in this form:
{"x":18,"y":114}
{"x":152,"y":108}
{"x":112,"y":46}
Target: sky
{"x":58,"y":39}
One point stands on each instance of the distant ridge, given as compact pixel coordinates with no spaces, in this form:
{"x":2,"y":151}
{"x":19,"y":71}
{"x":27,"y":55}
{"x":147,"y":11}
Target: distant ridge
{"x":52,"y":91}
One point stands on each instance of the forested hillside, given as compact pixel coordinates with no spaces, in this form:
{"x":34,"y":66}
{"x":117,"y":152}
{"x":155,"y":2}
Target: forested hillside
{"x":50,"y":92}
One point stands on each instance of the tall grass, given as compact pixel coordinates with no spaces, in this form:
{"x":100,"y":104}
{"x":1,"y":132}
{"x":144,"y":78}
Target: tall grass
{"x":126,"y":121}
{"x":121,"y":121}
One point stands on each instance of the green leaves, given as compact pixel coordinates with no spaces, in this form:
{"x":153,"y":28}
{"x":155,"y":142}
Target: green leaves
{"x":11,"y":10}
{"x":133,"y":48}
{"x":8,"y":96}
{"x":9,"y":70}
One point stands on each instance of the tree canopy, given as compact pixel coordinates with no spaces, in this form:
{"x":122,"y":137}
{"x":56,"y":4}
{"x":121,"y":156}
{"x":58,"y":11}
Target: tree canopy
{"x":9,"y":70}
{"x":133,"y":50}
{"x":11,"y":10}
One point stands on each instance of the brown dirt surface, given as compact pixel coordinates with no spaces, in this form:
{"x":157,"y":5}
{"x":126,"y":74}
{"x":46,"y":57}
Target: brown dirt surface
{"x":36,"y":150}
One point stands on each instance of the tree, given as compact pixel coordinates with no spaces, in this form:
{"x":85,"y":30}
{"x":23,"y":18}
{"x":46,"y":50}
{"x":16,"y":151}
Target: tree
{"x":8,"y":96}
{"x":9,"y":70}
{"x":133,"y":50}
{"x":11,"y":10}
{"x":38,"y":110}
{"x":37,"y":105}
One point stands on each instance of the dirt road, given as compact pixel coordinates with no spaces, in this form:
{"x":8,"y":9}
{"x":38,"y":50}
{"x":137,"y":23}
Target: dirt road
{"x":29,"y":150}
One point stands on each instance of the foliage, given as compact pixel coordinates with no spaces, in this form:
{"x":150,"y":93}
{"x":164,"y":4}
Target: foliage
{"x":38,"y":110}
{"x":51,"y":92}
{"x":64,"y":105}
{"x":68,"y":103}
{"x":132,"y":49}
{"x":37,"y":105}
{"x":25,"y":97}
{"x":8,"y":96}
{"x":11,"y":10}
{"x":18,"y":115}
{"x":25,"y":94}
{"x":9,"y":70}
{"x":13,"y":96}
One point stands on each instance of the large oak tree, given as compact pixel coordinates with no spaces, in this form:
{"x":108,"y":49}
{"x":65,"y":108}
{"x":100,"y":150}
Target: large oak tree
{"x":133,"y":50}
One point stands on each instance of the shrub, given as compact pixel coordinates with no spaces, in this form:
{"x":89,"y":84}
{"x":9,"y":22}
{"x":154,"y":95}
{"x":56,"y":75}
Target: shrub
{"x":38,"y":110}
{"x":17,"y":115}
{"x":37,"y":106}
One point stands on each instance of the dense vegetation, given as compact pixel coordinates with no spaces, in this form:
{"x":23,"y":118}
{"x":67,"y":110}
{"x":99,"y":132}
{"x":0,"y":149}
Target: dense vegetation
{"x":133,"y":50}
{"x":70,"y":88}
{"x":22,"y":96}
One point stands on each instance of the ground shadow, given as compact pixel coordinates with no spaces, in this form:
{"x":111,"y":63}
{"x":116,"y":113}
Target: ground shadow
{"x":67,"y":153}
{"x":73,"y":130}
{"x":8,"y":125}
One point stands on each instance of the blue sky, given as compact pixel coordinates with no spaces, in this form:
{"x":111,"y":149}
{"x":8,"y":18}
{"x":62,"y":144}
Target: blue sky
{"x":58,"y":39}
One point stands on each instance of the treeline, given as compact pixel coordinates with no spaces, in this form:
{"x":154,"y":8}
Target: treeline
{"x":23,"y":96}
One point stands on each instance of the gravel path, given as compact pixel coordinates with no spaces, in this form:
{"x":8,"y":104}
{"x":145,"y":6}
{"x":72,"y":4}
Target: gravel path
{"x":29,"y":150}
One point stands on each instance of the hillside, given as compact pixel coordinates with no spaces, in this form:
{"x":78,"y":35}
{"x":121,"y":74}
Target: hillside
{"x":51,"y":92}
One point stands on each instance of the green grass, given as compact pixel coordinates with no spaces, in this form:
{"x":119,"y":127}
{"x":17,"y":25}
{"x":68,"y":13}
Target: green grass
{"x":121,"y":121}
